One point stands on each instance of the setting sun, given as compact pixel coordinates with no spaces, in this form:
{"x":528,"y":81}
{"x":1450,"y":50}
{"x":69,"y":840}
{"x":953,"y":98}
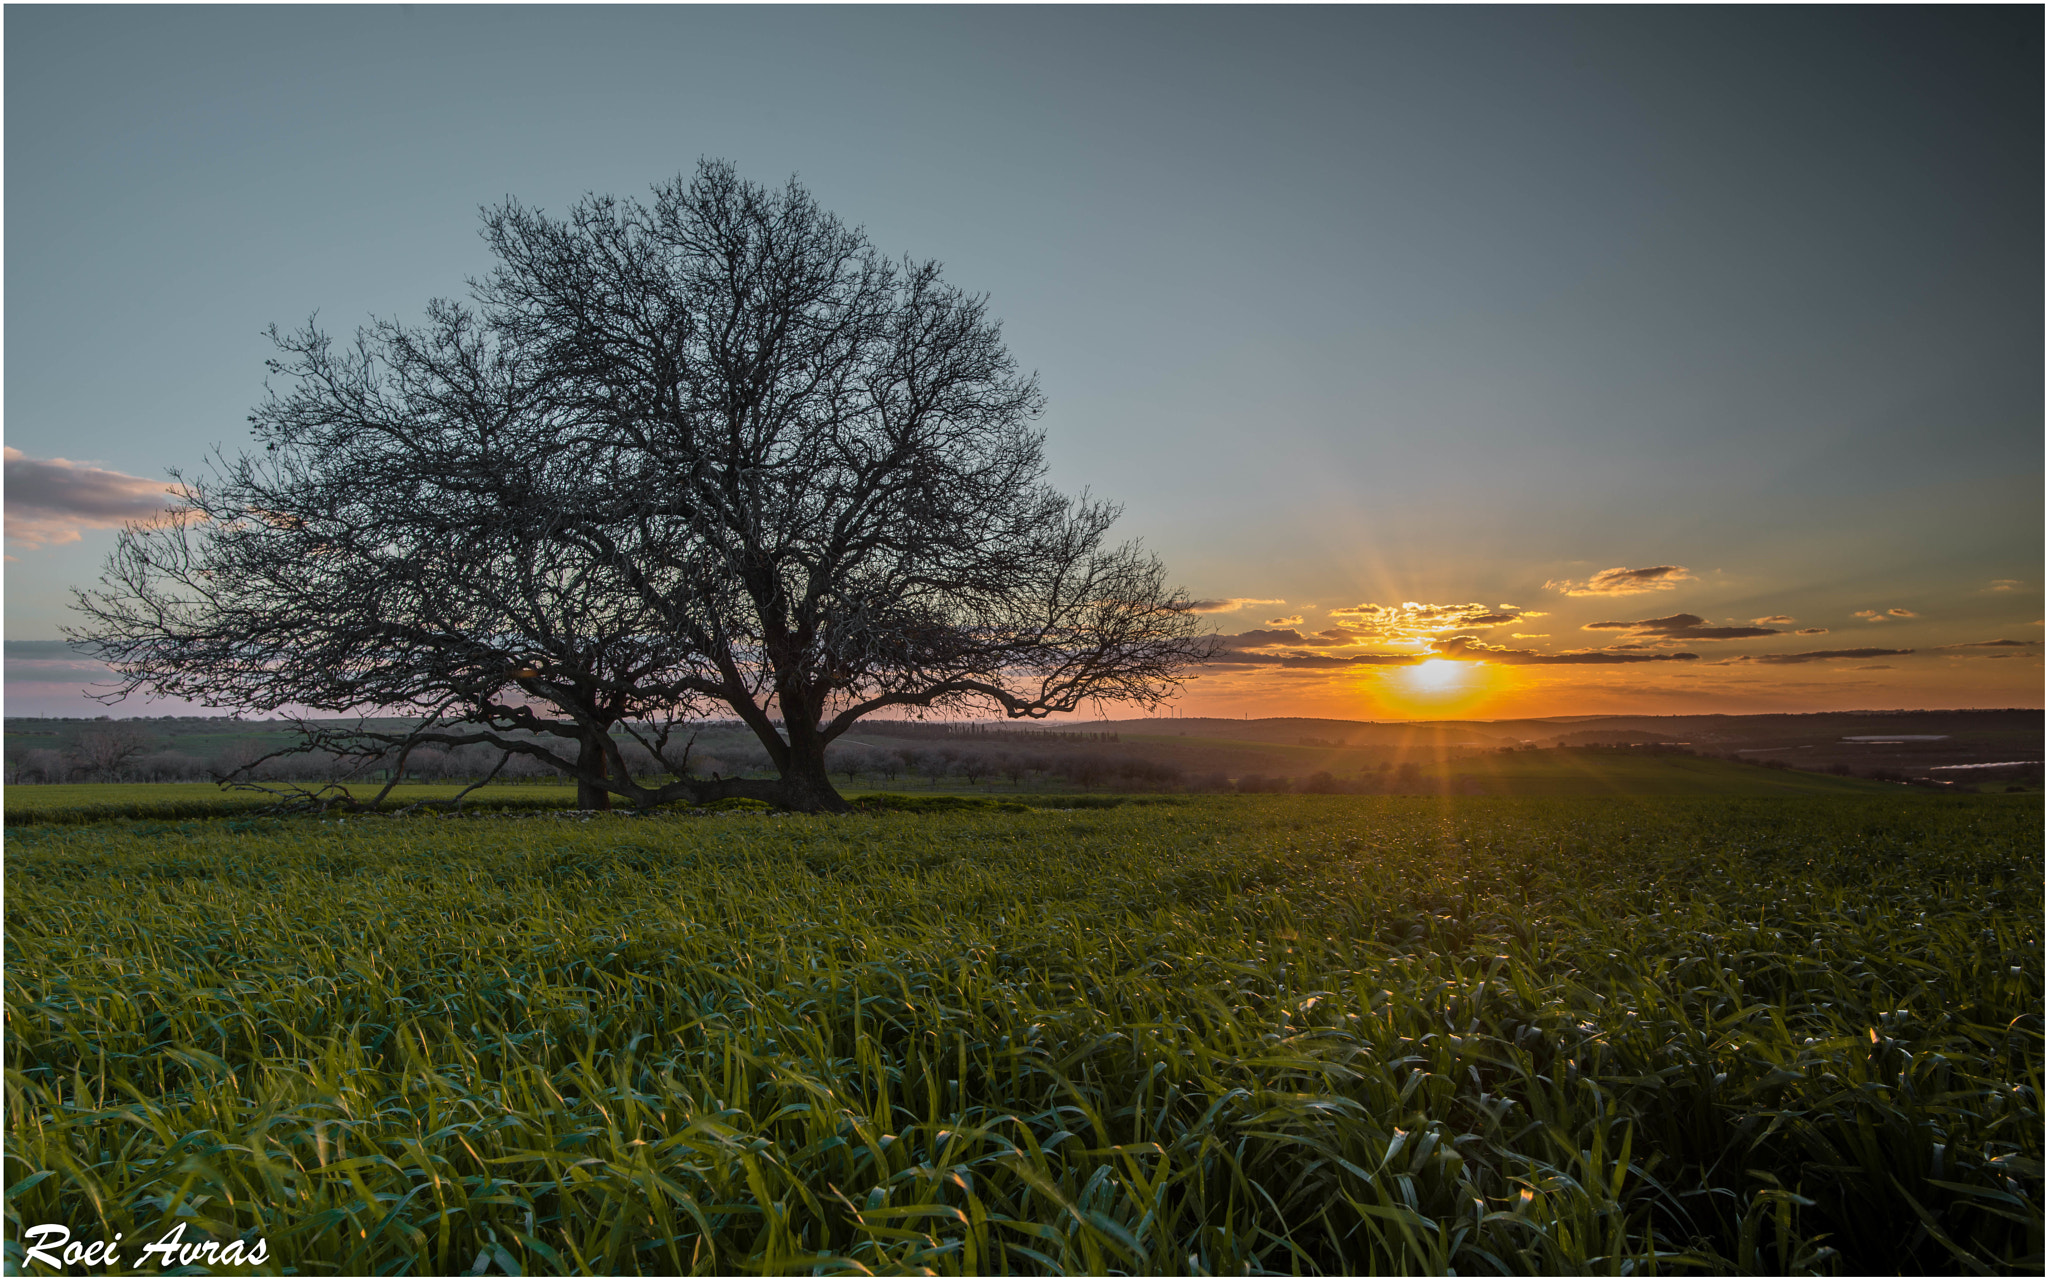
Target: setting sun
{"x":1435,"y":687}
{"x":1437,"y":675}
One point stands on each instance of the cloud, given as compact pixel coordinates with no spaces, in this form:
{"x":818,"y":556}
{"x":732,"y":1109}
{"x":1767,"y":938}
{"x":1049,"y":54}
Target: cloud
{"x":1284,"y":637}
{"x":1625,"y":582}
{"x":1811,"y":631}
{"x":1292,"y":621}
{"x":1775,"y":620}
{"x":1818,"y":655}
{"x":1411,"y":620}
{"x":49,"y":500}
{"x":1467,"y":647}
{"x":1872,"y":615}
{"x":2004,"y":584}
{"x":40,"y":650}
{"x":1682,"y":626}
{"x":1231,"y":605}
{"x":1270,"y":646}
{"x":51,"y":662}
{"x":1993,"y":644}
{"x":1902,"y":613}
{"x":1530,"y":635}
{"x":1324,"y":661}
{"x":1261,"y":638}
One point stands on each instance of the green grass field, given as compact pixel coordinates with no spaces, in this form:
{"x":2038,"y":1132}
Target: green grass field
{"x":1510,"y":774}
{"x":1602,"y":773}
{"x":1296,"y":1034}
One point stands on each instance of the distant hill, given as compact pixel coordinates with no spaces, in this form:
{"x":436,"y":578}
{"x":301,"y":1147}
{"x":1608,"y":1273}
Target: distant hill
{"x":1944,"y":745}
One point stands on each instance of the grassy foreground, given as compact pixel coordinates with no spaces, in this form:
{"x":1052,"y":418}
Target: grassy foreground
{"x":1290,"y":1034}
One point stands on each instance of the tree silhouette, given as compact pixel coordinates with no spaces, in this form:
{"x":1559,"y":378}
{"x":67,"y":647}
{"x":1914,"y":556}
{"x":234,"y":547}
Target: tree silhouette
{"x":712,"y":453}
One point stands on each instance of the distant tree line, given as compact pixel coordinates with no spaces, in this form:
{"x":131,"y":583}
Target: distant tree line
{"x":2021,"y":776}
{"x":980,"y":732}
{"x":128,"y":752}
{"x":121,"y":753}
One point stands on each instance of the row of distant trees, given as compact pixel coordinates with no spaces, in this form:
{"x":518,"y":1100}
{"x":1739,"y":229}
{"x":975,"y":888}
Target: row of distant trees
{"x":118,"y":756}
{"x":121,"y":754}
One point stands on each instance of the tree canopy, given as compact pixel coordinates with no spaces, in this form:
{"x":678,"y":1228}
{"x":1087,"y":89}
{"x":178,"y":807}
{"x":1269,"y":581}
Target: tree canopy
{"x":710,"y":454}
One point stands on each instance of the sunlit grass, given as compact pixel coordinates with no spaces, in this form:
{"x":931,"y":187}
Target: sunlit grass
{"x":1294,"y":1034}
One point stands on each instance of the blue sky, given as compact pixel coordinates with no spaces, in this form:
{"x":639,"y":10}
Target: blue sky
{"x":1347,"y":306}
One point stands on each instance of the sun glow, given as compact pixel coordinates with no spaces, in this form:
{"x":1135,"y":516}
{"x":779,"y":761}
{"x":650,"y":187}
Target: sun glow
{"x":1437,"y":675}
{"x":1437,"y":687}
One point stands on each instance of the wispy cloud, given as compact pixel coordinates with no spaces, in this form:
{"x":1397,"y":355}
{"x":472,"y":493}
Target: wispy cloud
{"x":1682,"y":626}
{"x":1624,"y":582}
{"x":51,"y":662}
{"x":1292,"y":620}
{"x":1261,"y":638}
{"x":1875,"y":615}
{"x":1289,"y":637}
{"x":1775,"y":620}
{"x":1230,"y":605}
{"x":1811,"y":631}
{"x":1468,"y":647}
{"x":1817,"y":655}
{"x":50,"y":500}
{"x":1320,"y":661}
{"x":2004,"y":584}
{"x":1993,"y":644}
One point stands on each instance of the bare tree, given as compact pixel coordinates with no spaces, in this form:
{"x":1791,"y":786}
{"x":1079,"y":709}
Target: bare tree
{"x":103,"y":754}
{"x":40,"y":765}
{"x":973,"y":766}
{"x":705,"y":454}
{"x":935,"y":764}
{"x":1016,"y":766}
{"x":853,"y":760}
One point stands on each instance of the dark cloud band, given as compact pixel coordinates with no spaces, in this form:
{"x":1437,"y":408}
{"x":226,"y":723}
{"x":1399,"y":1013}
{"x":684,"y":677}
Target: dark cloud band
{"x":1624,"y":582}
{"x":1817,"y":655}
{"x":1683,"y":626}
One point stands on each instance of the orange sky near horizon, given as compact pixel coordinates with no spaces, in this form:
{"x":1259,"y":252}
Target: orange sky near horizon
{"x":1499,"y":693}
{"x":1620,"y":651}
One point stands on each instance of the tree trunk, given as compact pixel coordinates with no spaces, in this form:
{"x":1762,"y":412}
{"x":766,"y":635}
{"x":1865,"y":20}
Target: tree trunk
{"x":590,"y":760}
{"x":805,"y":787}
